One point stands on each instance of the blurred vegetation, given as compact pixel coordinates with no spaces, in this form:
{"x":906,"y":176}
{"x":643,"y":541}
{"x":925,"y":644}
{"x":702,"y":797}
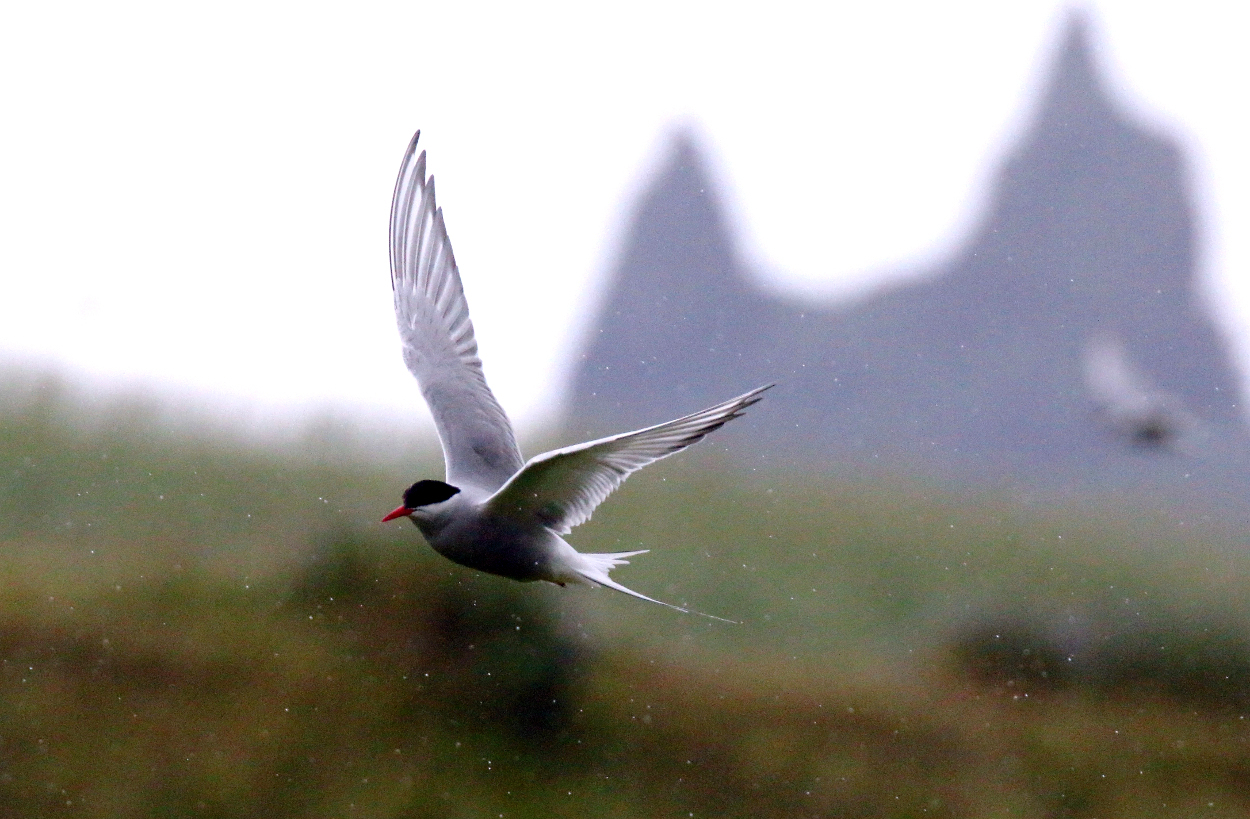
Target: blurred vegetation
{"x":192,"y":626}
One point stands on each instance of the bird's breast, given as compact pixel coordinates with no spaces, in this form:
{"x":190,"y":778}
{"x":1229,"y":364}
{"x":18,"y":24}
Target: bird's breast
{"x":498,"y":546}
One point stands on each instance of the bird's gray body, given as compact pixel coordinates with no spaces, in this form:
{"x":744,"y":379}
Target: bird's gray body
{"x":495,"y":512}
{"x":463,"y":530}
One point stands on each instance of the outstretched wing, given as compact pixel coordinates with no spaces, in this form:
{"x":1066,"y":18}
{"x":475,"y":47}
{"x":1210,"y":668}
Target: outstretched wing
{"x":439,"y":348}
{"x":562,"y":488}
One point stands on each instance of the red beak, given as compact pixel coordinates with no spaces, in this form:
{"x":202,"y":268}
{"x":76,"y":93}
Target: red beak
{"x":402,"y":511}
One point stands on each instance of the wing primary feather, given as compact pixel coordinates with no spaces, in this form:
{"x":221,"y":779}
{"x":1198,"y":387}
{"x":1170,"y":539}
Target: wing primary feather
{"x":401,"y":204}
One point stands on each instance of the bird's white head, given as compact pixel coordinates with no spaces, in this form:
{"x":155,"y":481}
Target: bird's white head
{"x":423,"y":501}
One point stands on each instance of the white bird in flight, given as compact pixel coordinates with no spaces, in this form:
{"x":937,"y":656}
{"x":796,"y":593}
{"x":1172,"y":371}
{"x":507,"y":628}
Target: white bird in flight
{"x":1142,"y":413}
{"x":494,"y":512}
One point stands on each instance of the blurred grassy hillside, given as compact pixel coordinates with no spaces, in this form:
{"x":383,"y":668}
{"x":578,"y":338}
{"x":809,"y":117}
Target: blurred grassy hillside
{"x":194,"y":626}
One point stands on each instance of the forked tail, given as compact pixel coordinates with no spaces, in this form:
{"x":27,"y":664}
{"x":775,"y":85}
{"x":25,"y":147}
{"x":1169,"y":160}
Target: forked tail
{"x":595,"y":568}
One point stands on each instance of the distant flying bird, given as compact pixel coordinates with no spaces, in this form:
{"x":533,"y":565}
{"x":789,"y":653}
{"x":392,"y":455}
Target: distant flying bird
{"x":1144,"y":415}
{"x":494,"y":512}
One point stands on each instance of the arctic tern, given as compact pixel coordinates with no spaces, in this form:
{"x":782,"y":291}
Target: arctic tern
{"x":1138,"y":410}
{"x":494,"y":512}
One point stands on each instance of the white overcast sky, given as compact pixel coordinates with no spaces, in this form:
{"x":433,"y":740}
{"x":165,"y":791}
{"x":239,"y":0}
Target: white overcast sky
{"x":194,"y":195}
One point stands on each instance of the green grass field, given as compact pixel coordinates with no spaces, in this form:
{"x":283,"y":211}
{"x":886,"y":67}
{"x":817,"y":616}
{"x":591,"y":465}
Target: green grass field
{"x":192,"y":626}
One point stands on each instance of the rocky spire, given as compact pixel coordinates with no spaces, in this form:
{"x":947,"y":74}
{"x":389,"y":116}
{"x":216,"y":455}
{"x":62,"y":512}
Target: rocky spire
{"x":977,"y":371}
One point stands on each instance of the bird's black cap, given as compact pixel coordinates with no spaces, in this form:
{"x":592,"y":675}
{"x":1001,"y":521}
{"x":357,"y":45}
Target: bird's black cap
{"x":423,"y":493}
